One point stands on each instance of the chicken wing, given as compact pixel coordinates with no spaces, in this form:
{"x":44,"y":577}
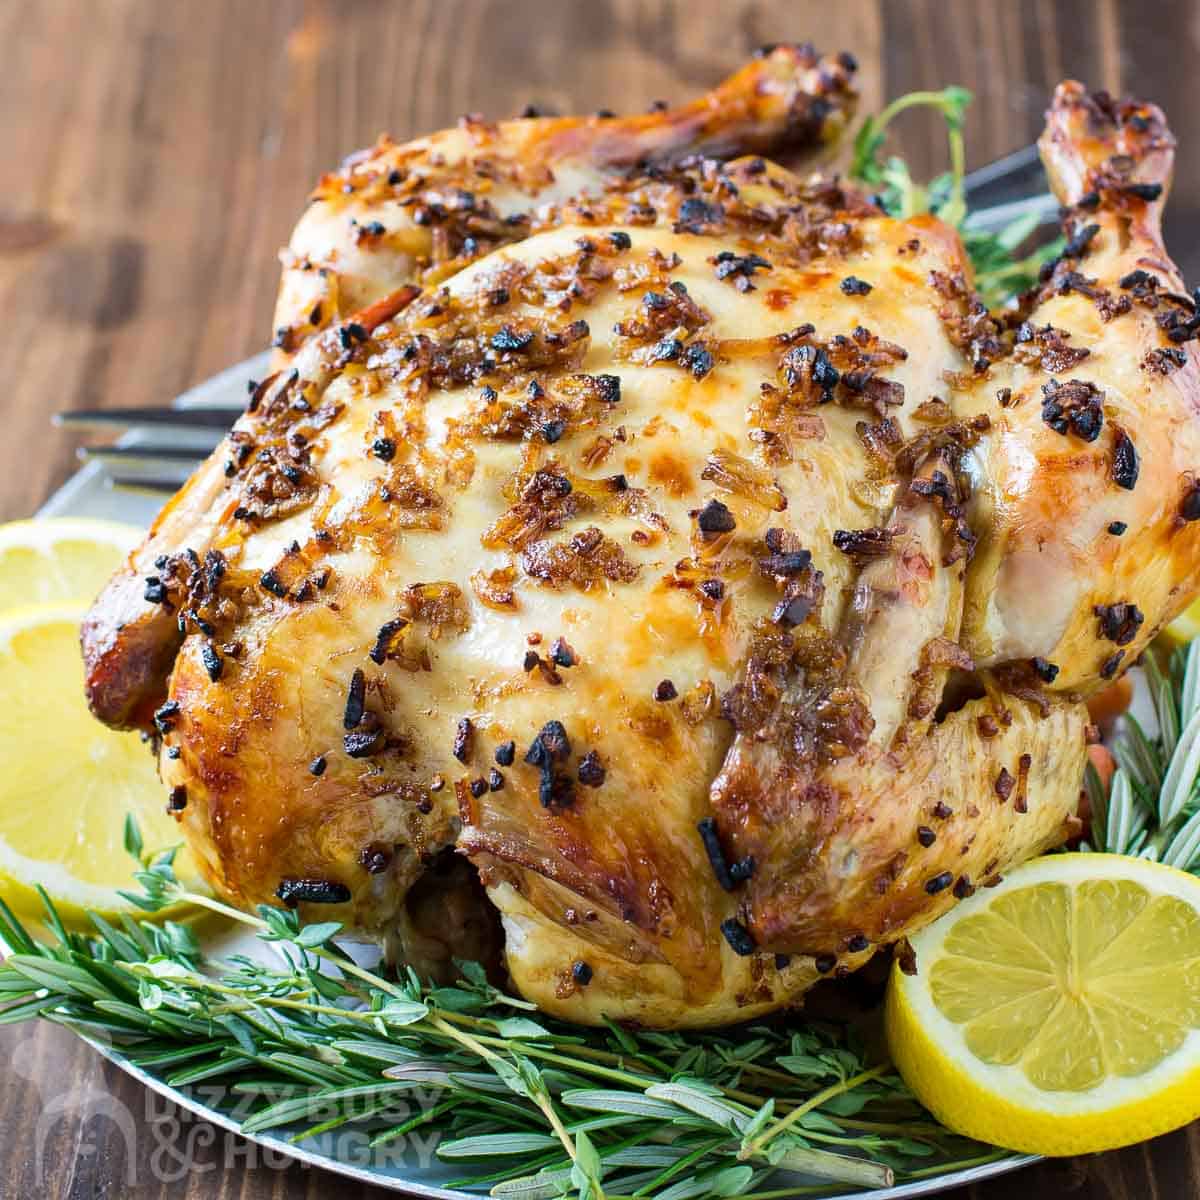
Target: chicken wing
{"x":427,"y":208}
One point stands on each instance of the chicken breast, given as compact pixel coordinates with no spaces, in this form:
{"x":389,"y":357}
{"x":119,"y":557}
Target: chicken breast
{"x":683,"y":547}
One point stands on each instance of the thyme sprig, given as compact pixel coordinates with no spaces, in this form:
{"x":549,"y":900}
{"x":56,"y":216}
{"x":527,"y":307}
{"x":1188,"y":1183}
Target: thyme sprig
{"x":1152,"y":807}
{"x":314,"y":1041}
{"x":1001,"y":272}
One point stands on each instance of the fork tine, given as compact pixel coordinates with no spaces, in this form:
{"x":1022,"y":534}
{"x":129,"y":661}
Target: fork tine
{"x":209,"y":417}
{"x":142,"y":454}
{"x":997,"y":216}
{"x":157,"y":487}
{"x":1013,"y":177}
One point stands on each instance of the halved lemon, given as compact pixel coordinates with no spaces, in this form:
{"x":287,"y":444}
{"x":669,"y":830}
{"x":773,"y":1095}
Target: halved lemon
{"x":60,"y":558}
{"x":1058,"y":1013}
{"x":66,"y":781}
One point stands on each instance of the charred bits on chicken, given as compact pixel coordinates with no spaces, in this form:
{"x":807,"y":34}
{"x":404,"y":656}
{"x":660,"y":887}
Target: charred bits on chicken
{"x":375,"y":858}
{"x":508,"y":340}
{"x":214,"y":664}
{"x":591,"y":771}
{"x":367,"y":740}
{"x":464,"y":739}
{"x":356,"y":698}
{"x":1119,"y":622}
{"x":1078,"y":243}
{"x":963,"y":888}
{"x":1046,"y":671}
{"x":698,"y":216}
{"x":364,"y":735}
{"x":1004,"y":784}
{"x":714,"y":519}
{"x":1073,"y":407}
{"x":1125,"y":461}
{"x":389,"y":641}
{"x":1189,"y":506}
{"x":562,"y":654}
{"x":806,"y":365}
{"x":738,"y":936}
{"x":165,"y":715}
{"x":533,"y":661}
{"x":739,"y":268}
{"x":862,"y":546}
{"x":271,"y":582}
{"x":727,"y":874}
{"x":939,"y":883}
{"x":1110,"y":666}
{"x":293,"y":891}
{"x":548,"y":750}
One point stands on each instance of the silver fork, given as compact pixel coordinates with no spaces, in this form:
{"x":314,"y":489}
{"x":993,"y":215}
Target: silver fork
{"x":161,"y":446}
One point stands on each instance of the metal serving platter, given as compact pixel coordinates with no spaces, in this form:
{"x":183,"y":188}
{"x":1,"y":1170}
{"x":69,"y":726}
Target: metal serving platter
{"x":89,"y":493}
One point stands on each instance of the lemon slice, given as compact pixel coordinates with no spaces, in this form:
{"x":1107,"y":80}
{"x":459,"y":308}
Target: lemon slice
{"x":60,"y":558}
{"x":67,"y":782}
{"x":1185,"y":628}
{"x":1058,"y":1013}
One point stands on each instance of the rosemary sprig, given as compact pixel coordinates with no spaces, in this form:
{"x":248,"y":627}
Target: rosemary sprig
{"x":1152,"y":807}
{"x":316,"y":1042}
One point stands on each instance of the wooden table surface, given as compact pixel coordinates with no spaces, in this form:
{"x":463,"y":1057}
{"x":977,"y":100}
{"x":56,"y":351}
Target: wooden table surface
{"x":156,"y":155}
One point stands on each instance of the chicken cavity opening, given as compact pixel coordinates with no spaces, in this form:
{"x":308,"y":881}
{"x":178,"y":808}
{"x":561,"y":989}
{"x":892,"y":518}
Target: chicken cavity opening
{"x":961,"y":688}
{"x":447,"y":916}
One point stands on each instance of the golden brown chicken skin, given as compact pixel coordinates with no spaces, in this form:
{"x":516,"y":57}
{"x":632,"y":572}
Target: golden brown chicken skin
{"x":666,"y":562}
{"x":427,"y":208}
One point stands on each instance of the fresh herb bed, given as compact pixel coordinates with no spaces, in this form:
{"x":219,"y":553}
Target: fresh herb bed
{"x":546,"y":1108}
{"x":541,"y":1108}
{"x":1152,"y":809}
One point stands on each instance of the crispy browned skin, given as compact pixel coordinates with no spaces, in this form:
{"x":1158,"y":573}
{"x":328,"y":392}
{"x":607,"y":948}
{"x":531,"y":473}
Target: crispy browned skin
{"x":699,"y":490}
{"x":1055,"y":601}
{"x":427,"y":208}
{"x":129,"y":642}
{"x":1110,"y":329}
{"x":421,"y":211}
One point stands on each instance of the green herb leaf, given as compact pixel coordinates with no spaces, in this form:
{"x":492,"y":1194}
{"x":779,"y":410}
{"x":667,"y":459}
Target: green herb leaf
{"x":133,"y":838}
{"x":496,"y":1145}
{"x":312,"y":936}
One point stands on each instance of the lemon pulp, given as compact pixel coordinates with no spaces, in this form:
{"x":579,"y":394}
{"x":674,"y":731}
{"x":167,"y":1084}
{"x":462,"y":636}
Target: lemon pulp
{"x":1073,"y":984}
{"x":65,"y":558}
{"x":67,"y":781}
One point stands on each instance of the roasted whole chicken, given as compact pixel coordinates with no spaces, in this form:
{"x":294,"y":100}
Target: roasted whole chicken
{"x":651,"y":567}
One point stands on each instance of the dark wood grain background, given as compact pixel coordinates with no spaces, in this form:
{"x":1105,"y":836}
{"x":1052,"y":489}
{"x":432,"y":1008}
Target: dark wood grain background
{"x":154,"y":157}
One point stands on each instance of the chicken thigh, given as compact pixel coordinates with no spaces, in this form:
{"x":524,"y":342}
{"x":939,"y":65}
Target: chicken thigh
{"x":673,"y":541}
